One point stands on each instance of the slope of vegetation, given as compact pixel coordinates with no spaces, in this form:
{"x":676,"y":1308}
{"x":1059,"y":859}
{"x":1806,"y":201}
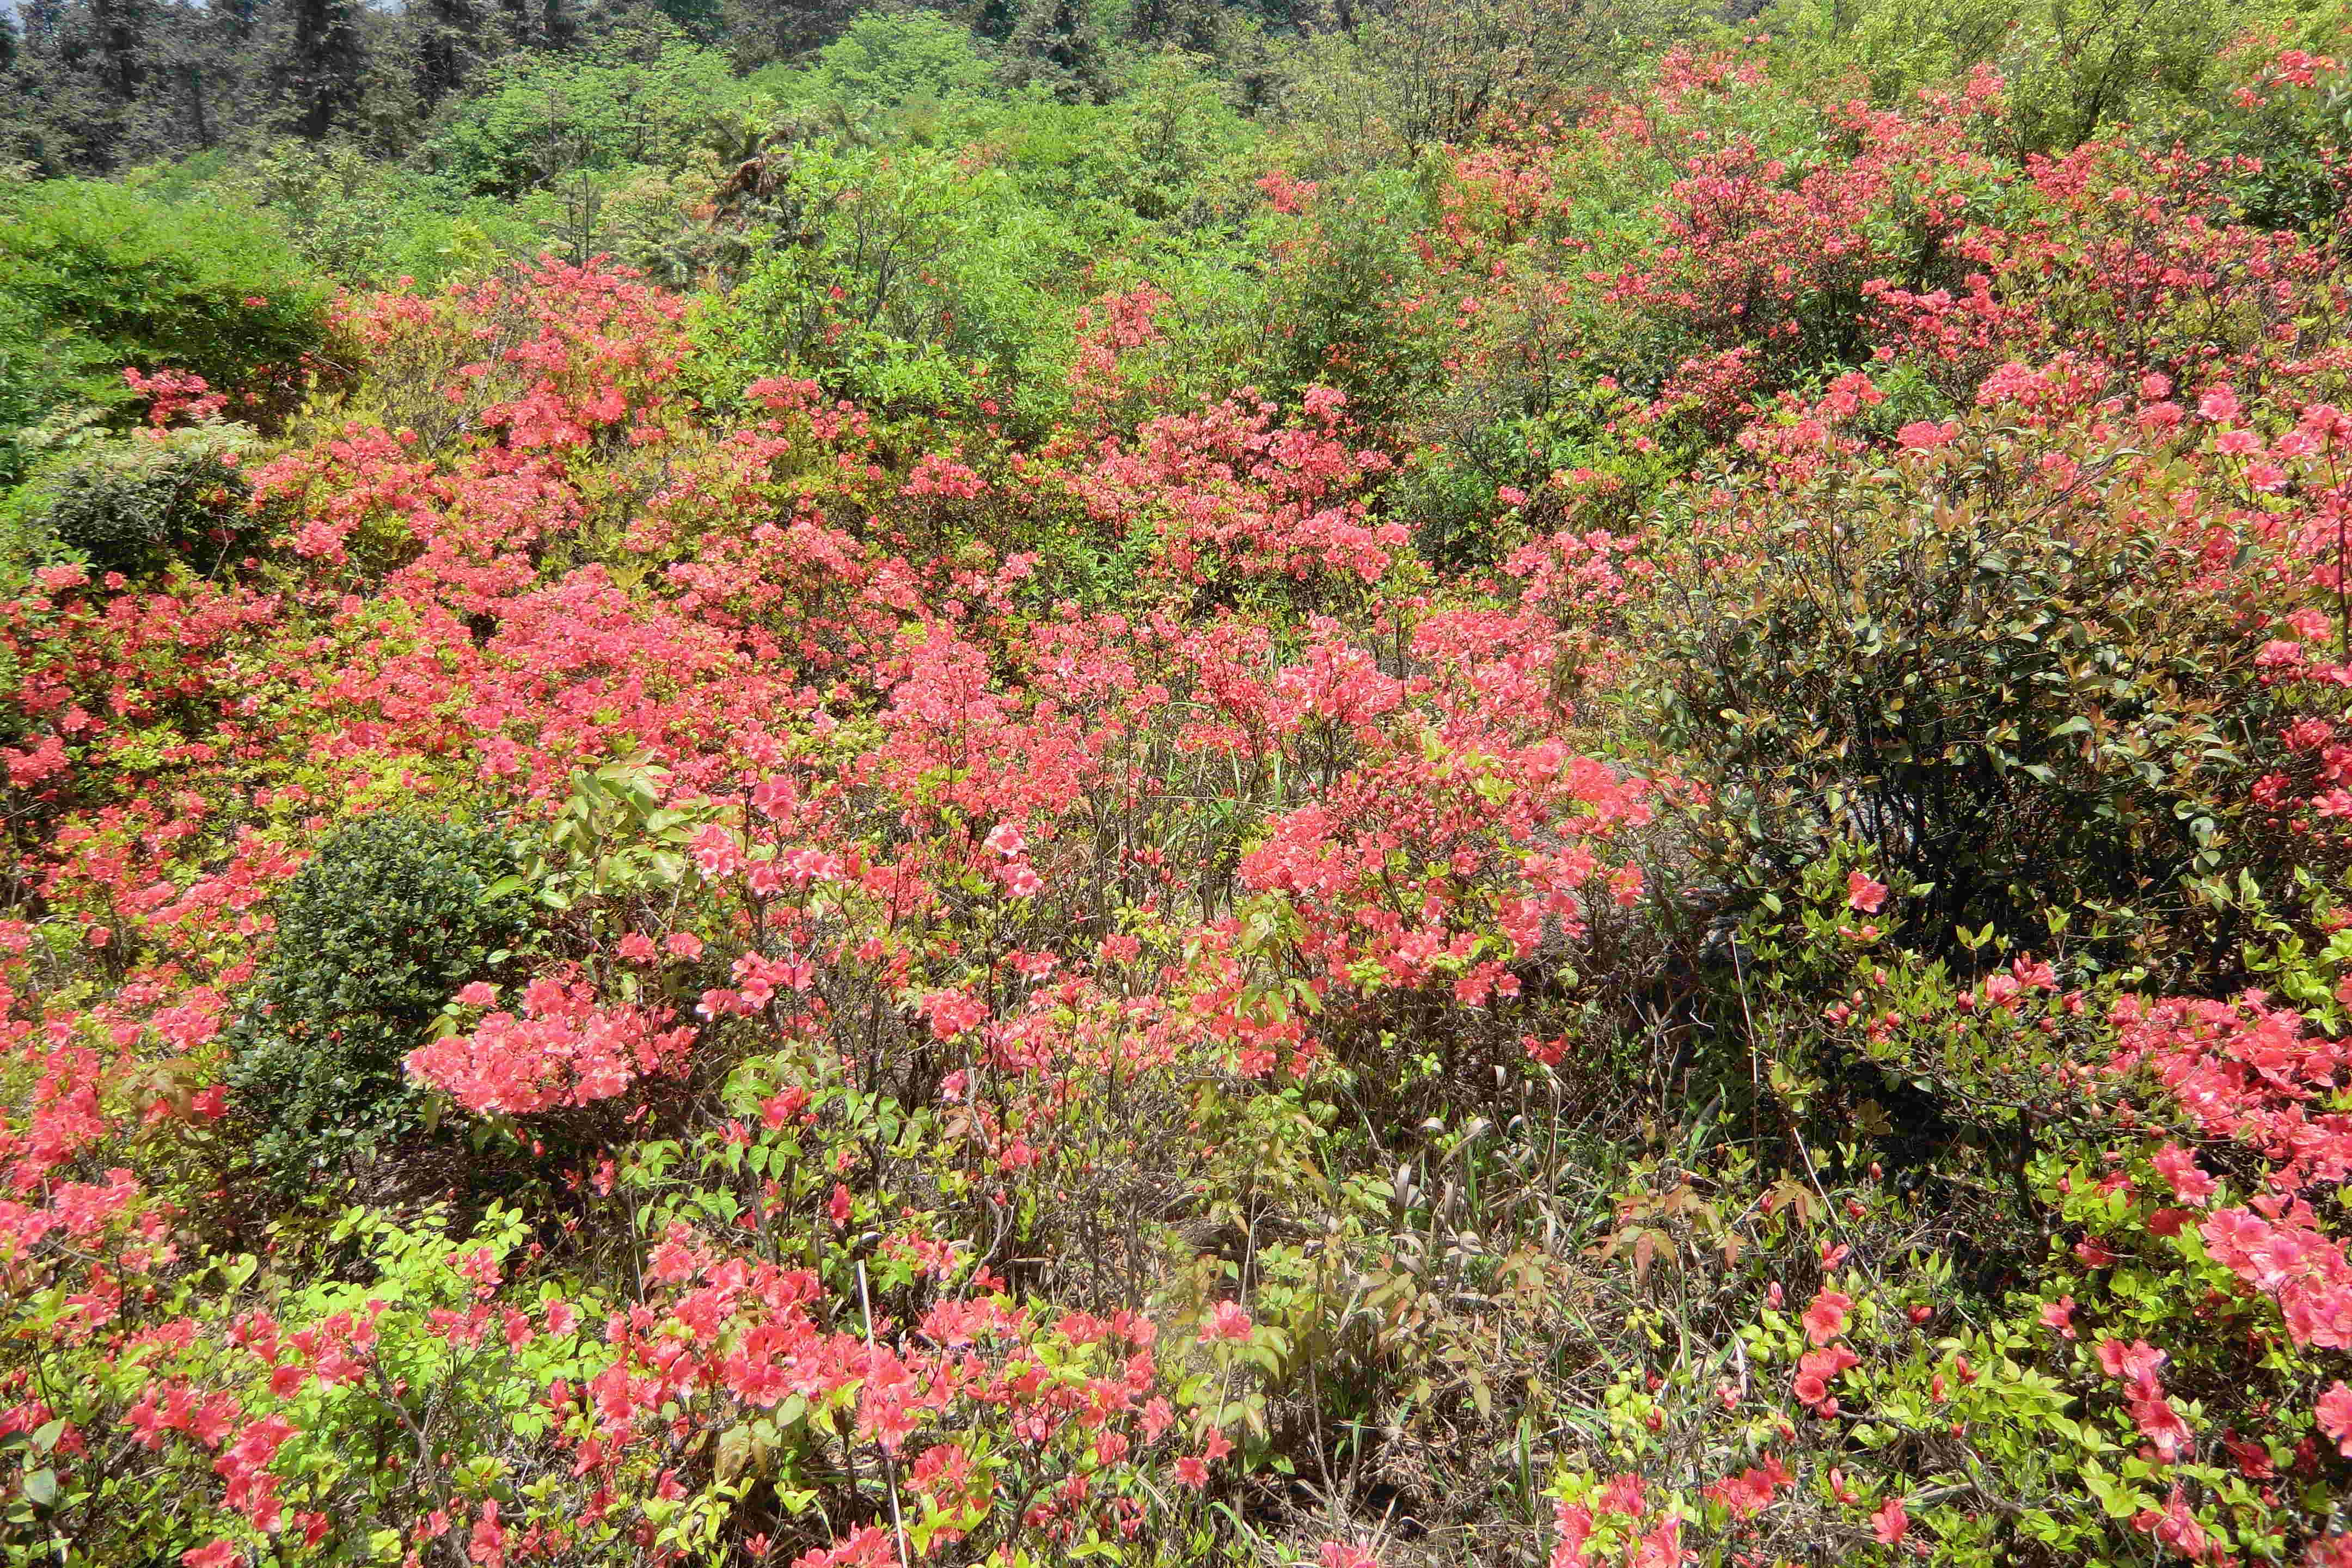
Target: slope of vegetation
{"x":1513,"y":783}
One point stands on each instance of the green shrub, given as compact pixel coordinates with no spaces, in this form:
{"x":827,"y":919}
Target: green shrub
{"x":637,"y":99}
{"x":2277,"y":146}
{"x":136,"y":504}
{"x":41,"y":375}
{"x":2073,"y":70}
{"x":389,"y":920}
{"x":883,"y":60}
{"x":1986,"y":666}
{"x":920,"y":269}
{"x":1342,"y":266}
{"x":126,"y":279}
{"x":369,"y":223}
{"x":1174,"y":147}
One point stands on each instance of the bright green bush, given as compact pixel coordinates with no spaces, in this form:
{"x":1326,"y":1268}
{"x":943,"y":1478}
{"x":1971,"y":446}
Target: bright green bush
{"x":930,"y":241}
{"x":885,"y":60}
{"x":388,"y":921}
{"x":1045,"y":988}
{"x":1180,"y":150}
{"x":639,"y":99}
{"x":207,"y":287}
{"x":919,"y":276}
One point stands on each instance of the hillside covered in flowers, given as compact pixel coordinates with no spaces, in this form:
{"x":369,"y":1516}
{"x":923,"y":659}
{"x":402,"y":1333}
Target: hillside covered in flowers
{"x":1513,"y":786}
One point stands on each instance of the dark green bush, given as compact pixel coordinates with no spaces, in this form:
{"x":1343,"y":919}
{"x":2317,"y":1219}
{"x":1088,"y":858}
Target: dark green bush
{"x":135,"y":505}
{"x":2014,"y":688}
{"x":390,"y":917}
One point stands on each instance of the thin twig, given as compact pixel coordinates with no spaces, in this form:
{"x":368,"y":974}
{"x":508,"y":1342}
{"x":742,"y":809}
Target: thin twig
{"x":889,"y":1459}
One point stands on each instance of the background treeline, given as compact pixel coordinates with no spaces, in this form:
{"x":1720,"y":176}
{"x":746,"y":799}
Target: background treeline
{"x":94,"y":87}
{"x":916,"y":204}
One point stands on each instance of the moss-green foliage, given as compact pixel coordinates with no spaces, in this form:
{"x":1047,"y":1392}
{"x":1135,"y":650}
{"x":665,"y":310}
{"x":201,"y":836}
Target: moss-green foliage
{"x":391,"y":917}
{"x":99,"y":276}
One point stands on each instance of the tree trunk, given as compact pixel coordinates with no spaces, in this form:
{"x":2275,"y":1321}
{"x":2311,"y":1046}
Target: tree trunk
{"x":118,"y":42}
{"x":324,"y":75}
{"x":196,"y":107}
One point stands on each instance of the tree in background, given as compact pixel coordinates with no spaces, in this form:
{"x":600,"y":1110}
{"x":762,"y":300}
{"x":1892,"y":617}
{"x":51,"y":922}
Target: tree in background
{"x":1055,"y":45}
{"x":448,"y":48}
{"x":762,"y":32}
{"x":318,"y":73}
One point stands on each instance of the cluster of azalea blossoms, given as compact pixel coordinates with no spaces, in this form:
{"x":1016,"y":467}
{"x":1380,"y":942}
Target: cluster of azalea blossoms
{"x":876,"y":812}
